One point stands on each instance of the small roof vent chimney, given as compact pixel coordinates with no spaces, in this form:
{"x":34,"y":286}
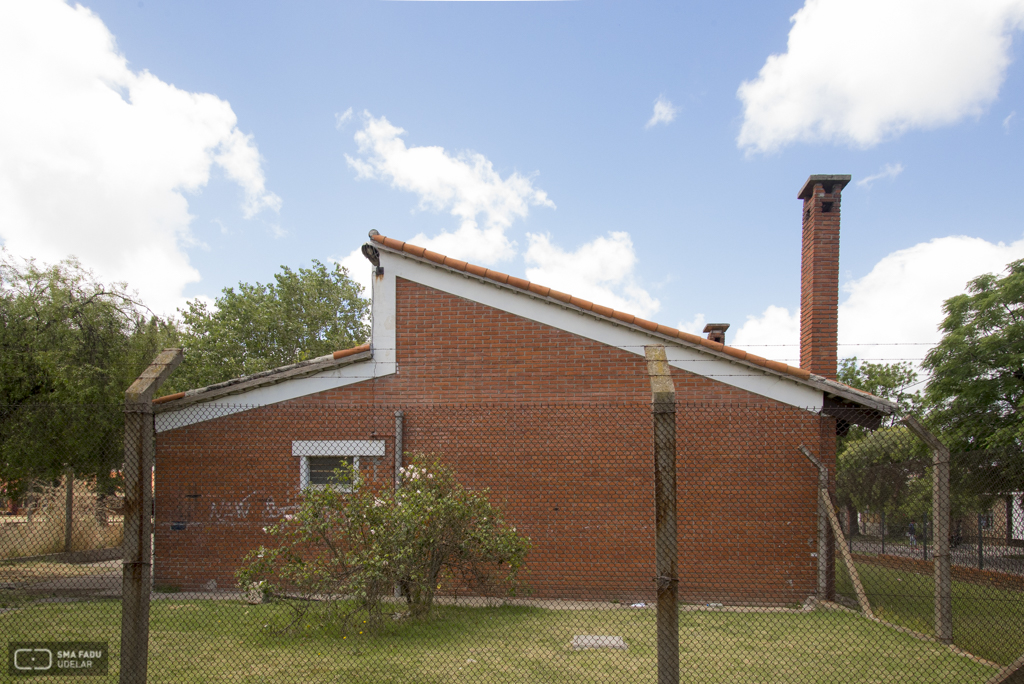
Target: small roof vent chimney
{"x":716,"y":331}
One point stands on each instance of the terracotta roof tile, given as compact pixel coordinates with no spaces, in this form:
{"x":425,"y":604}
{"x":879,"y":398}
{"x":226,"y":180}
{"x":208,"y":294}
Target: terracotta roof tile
{"x":342,"y":353}
{"x":689,"y":337}
{"x":497,"y":275}
{"x":310,"y":365}
{"x":455,"y":263}
{"x":540,"y":289}
{"x":476,"y":270}
{"x":560,"y":296}
{"x":624,"y":317}
{"x":521,"y":284}
{"x":711,"y":344}
{"x":433,"y":256}
{"x":733,"y":351}
{"x":757,"y":360}
{"x":582,"y":303}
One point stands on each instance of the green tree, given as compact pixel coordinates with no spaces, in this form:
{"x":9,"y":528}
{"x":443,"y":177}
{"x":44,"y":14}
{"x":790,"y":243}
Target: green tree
{"x":875,"y":469}
{"x":976,"y":390}
{"x":349,"y":549}
{"x":69,"y":348}
{"x":875,"y":472}
{"x":302,"y":315}
{"x":891,"y":381}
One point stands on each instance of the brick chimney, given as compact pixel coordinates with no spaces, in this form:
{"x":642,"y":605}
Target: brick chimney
{"x":716,"y":331}
{"x":819,"y":274}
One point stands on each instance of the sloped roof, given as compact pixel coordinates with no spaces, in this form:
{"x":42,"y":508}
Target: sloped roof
{"x":838,"y":390}
{"x":603,"y":311}
{"x":834,"y":391}
{"x":268,"y":377}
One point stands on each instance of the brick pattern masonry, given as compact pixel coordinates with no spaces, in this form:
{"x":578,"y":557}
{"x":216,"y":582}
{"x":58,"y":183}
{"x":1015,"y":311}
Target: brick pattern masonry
{"x":578,"y":482}
{"x":819,"y":281}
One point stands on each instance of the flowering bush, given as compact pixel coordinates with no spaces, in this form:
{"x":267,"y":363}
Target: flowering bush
{"x":343,"y":553}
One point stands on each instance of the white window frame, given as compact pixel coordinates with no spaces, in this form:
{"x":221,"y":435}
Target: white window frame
{"x":334,"y":448}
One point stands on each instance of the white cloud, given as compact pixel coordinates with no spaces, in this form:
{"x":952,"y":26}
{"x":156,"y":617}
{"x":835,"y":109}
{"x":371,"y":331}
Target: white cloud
{"x":694,"y":326}
{"x":466,"y":185}
{"x":860,"y":72}
{"x":341,"y":119}
{"x":664,"y":112}
{"x":888,"y":171}
{"x":1007,"y":120}
{"x":600,"y":271}
{"x":895,"y":307}
{"x":359,"y":269}
{"x":774,"y":334}
{"x":900,"y":300}
{"x":485,"y":204}
{"x":95,"y":158}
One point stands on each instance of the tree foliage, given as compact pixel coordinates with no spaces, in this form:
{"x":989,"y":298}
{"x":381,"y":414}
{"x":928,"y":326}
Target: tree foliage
{"x":877,"y":470}
{"x":350,"y":549}
{"x":891,"y":381}
{"x":69,"y":348}
{"x":976,"y":392}
{"x":301,"y":315}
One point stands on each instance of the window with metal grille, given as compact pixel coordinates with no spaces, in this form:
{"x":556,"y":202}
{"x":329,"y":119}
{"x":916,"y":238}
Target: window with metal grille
{"x":319,"y":461}
{"x":324,"y":470}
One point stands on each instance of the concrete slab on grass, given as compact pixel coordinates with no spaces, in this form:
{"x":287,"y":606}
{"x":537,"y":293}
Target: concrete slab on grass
{"x":587,"y":641}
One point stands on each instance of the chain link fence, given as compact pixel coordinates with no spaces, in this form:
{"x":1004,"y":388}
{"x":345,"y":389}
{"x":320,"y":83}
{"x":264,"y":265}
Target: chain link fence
{"x":302,"y":542}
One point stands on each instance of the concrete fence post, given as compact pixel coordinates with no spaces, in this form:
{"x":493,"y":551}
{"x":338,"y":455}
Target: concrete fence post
{"x":139,"y":456}
{"x":823,"y":522}
{"x":666,"y":547}
{"x":940,"y":530}
{"x":69,"y":509}
{"x":399,"y":416}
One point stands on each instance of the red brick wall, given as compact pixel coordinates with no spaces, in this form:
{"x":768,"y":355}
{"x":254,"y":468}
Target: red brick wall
{"x":577,"y":480}
{"x":819,"y":282}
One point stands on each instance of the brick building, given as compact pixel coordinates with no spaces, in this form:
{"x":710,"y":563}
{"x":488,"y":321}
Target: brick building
{"x":544,"y":399}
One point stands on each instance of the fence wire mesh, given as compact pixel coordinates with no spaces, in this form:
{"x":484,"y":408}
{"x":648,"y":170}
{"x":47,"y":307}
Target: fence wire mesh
{"x":307,"y":542}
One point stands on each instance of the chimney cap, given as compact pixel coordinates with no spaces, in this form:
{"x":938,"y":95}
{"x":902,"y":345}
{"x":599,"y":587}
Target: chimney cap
{"x":716,"y":327}
{"x":829,"y":181}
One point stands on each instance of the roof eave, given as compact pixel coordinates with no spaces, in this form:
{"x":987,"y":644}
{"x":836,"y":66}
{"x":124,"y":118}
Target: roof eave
{"x":705,"y":346}
{"x":843,"y":392}
{"x":265,"y":378}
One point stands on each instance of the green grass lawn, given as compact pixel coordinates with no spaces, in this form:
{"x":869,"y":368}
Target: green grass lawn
{"x":213,"y":641}
{"x":986,"y":622}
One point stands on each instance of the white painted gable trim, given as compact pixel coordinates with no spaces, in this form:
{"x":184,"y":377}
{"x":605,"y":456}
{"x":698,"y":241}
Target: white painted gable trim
{"x":576,"y":321}
{"x":271,"y":394}
{"x":383,"y":343}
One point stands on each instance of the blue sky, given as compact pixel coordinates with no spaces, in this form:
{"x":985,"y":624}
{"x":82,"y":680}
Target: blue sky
{"x":211,"y":144}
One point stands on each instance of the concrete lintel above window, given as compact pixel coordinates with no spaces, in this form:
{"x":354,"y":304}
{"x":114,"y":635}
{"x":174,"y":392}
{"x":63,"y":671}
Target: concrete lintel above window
{"x":371,"y":448}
